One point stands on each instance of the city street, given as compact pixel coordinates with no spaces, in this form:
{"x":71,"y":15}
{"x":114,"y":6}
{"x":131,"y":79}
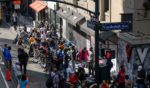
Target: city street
{"x":75,"y":43}
{"x":36,"y":74}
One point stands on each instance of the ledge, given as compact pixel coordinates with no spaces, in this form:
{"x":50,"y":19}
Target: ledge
{"x":133,"y":39}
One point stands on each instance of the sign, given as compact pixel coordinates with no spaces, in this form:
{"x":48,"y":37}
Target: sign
{"x":16,"y":2}
{"x":142,"y":54}
{"x":90,"y":24}
{"x":17,"y":6}
{"x":115,"y":26}
{"x":93,"y":19}
{"x":108,"y":55}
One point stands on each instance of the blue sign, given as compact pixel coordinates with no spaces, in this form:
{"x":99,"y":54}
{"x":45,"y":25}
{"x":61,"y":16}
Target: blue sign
{"x":90,"y":24}
{"x":114,"y":26}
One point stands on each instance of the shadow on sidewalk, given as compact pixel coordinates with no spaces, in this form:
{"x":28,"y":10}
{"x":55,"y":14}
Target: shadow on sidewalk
{"x":5,"y":25}
{"x":37,"y":79}
{"x":7,"y":41}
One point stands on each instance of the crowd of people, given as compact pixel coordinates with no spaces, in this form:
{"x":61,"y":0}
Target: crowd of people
{"x":54,"y":54}
{"x":58,"y":57}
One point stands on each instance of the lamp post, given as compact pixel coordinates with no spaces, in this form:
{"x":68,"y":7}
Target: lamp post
{"x":97,"y":75}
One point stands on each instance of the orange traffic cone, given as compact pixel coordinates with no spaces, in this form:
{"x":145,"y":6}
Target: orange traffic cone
{"x":8,"y":74}
{"x":27,"y":86}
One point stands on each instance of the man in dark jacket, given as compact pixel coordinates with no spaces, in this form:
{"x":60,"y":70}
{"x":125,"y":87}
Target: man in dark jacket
{"x":23,"y":59}
{"x":141,"y":78}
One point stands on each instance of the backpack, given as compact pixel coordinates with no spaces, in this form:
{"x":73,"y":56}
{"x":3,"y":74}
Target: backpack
{"x":60,"y":54}
{"x":49,"y":82}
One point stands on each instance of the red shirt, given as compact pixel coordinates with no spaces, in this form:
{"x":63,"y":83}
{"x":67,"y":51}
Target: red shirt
{"x":73,"y":78}
{"x":121,"y":78}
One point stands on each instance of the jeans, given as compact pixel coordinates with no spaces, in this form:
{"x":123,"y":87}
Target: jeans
{"x":24,"y":68}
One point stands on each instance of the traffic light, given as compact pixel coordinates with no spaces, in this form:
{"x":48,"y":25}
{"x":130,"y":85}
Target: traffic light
{"x":110,"y":54}
{"x":107,"y":53}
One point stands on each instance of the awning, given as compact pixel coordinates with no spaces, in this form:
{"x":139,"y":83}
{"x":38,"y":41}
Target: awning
{"x":87,"y":30}
{"x":64,"y":13}
{"x":76,"y":19}
{"x":105,"y":35}
{"x":38,"y":5}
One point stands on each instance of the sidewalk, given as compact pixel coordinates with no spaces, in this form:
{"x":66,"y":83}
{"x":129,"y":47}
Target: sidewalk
{"x":36,"y":75}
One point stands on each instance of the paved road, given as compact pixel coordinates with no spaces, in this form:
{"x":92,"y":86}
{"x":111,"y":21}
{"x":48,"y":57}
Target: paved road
{"x":2,"y":82}
{"x":36,"y":74}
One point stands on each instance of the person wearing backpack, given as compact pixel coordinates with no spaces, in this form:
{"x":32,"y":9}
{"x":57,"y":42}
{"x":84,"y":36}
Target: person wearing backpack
{"x":121,"y":77}
{"x":23,"y":59}
{"x":49,"y":82}
{"x":53,"y":79}
{"x":60,"y":56}
{"x":7,"y":56}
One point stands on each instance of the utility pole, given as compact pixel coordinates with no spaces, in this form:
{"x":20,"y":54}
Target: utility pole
{"x":97,"y":75}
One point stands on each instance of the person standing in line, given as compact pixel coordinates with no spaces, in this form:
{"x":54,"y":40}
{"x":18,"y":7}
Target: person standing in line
{"x":121,"y":77}
{"x":23,"y":59}
{"x":32,"y":41}
{"x":4,"y":51}
{"x":55,"y":79}
{"x":128,"y":82}
{"x":84,"y":56}
{"x":7,"y":56}
{"x":105,"y":84}
{"x":148,"y":78}
{"x":91,"y":61}
{"x":74,"y":58}
{"x":14,"y":20}
{"x":141,"y":78}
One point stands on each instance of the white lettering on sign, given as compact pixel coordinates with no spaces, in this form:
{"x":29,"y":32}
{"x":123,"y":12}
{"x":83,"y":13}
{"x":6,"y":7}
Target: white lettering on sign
{"x":141,"y":54}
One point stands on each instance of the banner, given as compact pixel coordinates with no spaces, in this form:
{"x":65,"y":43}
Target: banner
{"x":16,"y":2}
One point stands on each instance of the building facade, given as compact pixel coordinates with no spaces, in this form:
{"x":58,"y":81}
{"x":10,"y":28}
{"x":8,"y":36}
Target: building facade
{"x":133,"y":46}
{"x":75,"y":30}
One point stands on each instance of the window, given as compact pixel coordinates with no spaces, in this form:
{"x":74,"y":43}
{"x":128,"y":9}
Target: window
{"x":127,"y":17}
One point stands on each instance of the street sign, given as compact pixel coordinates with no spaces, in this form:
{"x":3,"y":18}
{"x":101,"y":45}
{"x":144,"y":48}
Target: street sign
{"x":115,"y":26}
{"x":90,"y":24}
{"x":16,"y":2}
{"x":93,"y":19}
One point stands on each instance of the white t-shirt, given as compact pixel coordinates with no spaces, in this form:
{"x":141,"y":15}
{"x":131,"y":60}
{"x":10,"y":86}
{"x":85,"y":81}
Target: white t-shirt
{"x":69,"y":70}
{"x":43,"y":36}
{"x":90,"y":53}
{"x":42,"y":29}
